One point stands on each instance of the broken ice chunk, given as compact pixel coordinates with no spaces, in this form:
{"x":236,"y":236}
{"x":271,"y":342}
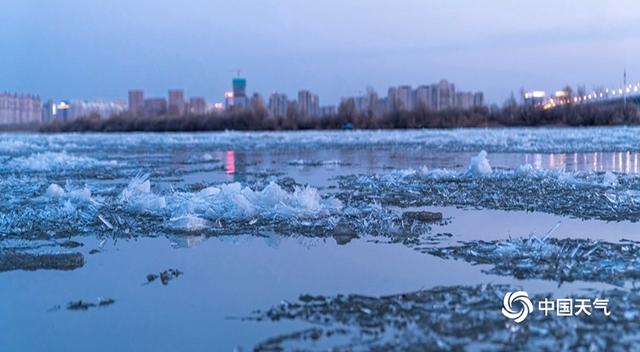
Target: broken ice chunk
{"x":610,"y":179}
{"x":138,"y":195}
{"x":54,"y":191}
{"x":188,"y":222}
{"x":479,"y":165}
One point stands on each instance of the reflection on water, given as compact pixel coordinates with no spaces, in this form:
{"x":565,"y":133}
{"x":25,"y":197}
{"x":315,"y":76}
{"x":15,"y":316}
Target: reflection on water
{"x":619,"y":162}
{"x":319,"y":167}
{"x":230,"y":164}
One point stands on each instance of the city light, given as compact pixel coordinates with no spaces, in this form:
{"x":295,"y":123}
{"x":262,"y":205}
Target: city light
{"x":534,"y":94}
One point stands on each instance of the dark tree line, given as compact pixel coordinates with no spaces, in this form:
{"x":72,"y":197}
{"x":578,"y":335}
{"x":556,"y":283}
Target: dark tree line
{"x":259,"y":119}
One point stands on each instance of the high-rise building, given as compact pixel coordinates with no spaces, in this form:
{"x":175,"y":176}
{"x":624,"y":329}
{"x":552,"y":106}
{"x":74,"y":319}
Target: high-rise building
{"x":18,"y":109}
{"x":63,"y":110}
{"x":197,"y":106}
{"x":478,"y":99}
{"x":445,"y":95}
{"x":360,"y":103}
{"x":405,"y":98}
{"x":369,"y":104}
{"x":308,"y":103}
{"x":257,"y":103}
{"x":239,"y":92}
{"x":278,"y":104}
{"x":136,"y":102}
{"x":424,"y":97}
{"x":535,"y":98}
{"x":155,"y":106}
{"x":228,"y":100}
{"x":464,"y":100}
{"x":392,"y":99}
{"x":176,"y":102}
{"x":436,"y":97}
{"x":49,"y":111}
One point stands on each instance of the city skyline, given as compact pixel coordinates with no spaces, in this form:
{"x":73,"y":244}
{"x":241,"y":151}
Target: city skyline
{"x":96,"y":51}
{"x":22,"y":107}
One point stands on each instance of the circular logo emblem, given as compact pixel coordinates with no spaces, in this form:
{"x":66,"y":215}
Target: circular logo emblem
{"x":516,"y":306}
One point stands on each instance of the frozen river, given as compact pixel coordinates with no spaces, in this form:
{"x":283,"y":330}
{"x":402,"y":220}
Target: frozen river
{"x":301,"y":240}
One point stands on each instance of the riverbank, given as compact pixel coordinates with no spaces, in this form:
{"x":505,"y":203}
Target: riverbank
{"x":259,"y":120}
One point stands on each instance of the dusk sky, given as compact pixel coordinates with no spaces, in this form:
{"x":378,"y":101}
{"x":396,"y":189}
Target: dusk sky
{"x":80,"y":49}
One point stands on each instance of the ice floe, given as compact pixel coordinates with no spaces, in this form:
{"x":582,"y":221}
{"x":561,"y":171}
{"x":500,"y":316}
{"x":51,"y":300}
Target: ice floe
{"x":561,"y":260}
{"x":141,"y":209}
{"x":455,"y":318}
{"x":598,"y":139}
{"x":233,"y":201}
{"x":604,"y":196}
{"x":52,"y":161}
{"x":303,"y":162}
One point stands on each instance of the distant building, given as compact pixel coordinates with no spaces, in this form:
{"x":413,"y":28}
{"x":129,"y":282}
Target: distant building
{"x":392,"y":99}
{"x":228,"y":100}
{"x":239,"y":92}
{"x":405,"y":98}
{"x":565,"y":97}
{"x":369,"y":104}
{"x":445,"y":95}
{"x":217,"y":108}
{"x":278,"y":104}
{"x":197,"y":106}
{"x":63,"y":110}
{"x":464,"y":100}
{"x":103,"y":109}
{"x":49,"y":111}
{"x":257,"y":103}
{"x":328,"y":111}
{"x":374,"y":107}
{"x":400,"y":98}
{"x":434,"y":97}
{"x":71,"y":110}
{"x":136,"y":102}
{"x":18,"y":109}
{"x":155,"y":106}
{"x":534,"y":99}
{"x":308,"y":103}
{"x":176,"y":102}
{"x":424,"y":97}
{"x":360,"y":103}
{"x":478,"y":99}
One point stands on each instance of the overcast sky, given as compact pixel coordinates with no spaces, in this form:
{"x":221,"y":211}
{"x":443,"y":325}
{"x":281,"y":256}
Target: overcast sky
{"x":90,"y":49}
